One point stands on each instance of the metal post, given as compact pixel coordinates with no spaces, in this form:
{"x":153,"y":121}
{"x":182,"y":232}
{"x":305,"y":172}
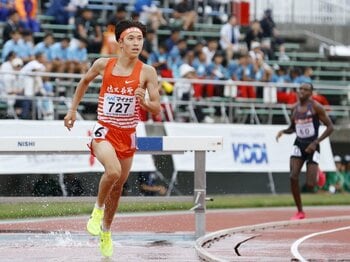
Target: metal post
{"x":199,"y":192}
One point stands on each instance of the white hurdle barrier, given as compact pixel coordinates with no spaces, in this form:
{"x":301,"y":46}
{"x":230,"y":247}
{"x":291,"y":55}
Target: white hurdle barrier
{"x":14,"y":145}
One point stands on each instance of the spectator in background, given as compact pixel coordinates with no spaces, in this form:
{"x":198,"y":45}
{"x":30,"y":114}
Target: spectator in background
{"x":335,"y":180}
{"x":10,"y":85}
{"x":280,"y":76}
{"x":184,"y":91}
{"x":254,"y":34}
{"x":28,"y":41}
{"x":159,"y":59}
{"x":271,"y":38}
{"x":149,"y":13}
{"x":245,"y":72}
{"x":110,"y":45}
{"x":174,"y":37}
{"x":87,"y":27}
{"x":229,"y":37}
{"x":45,"y":48}
{"x":27,"y":10}
{"x":176,"y":56}
{"x":306,"y":77}
{"x":77,"y":58}
{"x":12,"y":24}
{"x":60,"y":10}
{"x":59,"y":55}
{"x":149,"y":186}
{"x":148,"y":45}
{"x":33,"y":85}
{"x":210,"y":49}
{"x":185,"y":13}
{"x":347,"y":173}
{"x":15,"y":44}
{"x":6,"y":7}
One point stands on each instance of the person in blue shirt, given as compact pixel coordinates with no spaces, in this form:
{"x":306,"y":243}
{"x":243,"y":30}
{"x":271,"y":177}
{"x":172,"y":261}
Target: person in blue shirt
{"x":60,"y":11}
{"x":305,"y":77}
{"x":78,"y":58}
{"x":245,"y":72}
{"x":159,"y":59}
{"x":45,"y":48}
{"x":149,"y":13}
{"x":6,"y":7}
{"x":59,"y":55}
{"x":15,"y":44}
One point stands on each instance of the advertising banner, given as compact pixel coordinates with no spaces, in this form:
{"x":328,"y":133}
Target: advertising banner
{"x":58,"y":163}
{"x":246,"y":148}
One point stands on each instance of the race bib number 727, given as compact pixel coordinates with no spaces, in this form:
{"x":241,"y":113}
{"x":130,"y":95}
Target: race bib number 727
{"x":119,"y":105}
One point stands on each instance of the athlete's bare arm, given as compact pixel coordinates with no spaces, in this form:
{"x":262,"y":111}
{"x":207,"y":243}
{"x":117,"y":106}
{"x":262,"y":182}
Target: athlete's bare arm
{"x":324,"y":118}
{"x":96,"y":69}
{"x":149,"y":82}
{"x":290,"y":129}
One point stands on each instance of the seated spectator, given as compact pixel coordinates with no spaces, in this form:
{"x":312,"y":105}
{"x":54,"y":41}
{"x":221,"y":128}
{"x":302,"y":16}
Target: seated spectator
{"x":28,"y":42}
{"x":245,"y":72}
{"x":280,"y":75}
{"x":33,"y":85}
{"x":10,"y":84}
{"x":271,"y":39}
{"x":200,"y":64}
{"x":59,"y":55}
{"x":17,"y":45}
{"x":12,"y":24}
{"x":6,"y":7}
{"x":184,"y":91}
{"x":184,"y":11}
{"x":176,"y":56}
{"x":335,"y":180}
{"x":77,"y":58}
{"x":45,"y":48}
{"x":148,"y":185}
{"x":148,"y":45}
{"x":60,"y":10}
{"x":347,"y":173}
{"x":254,"y":34}
{"x":229,"y":37}
{"x":109,"y":45}
{"x":306,"y":77}
{"x":27,"y":10}
{"x":159,"y":60}
{"x":210,"y":49}
{"x":174,"y":37}
{"x":149,"y":13}
{"x":262,"y":72}
{"x":86,"y":27}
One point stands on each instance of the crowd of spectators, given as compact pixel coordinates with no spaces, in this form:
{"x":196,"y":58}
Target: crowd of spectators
{"x":232,"y":55}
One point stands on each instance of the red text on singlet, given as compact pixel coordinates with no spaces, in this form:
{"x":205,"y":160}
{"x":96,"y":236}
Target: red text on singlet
{"x":117,"y":104}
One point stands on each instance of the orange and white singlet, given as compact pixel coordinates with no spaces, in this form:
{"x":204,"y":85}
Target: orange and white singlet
{"x":118,"y":110}
{"x":117,"y":104}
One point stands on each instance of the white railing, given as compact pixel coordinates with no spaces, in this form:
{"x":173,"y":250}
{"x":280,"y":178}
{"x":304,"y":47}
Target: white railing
{"x":233,"y":108}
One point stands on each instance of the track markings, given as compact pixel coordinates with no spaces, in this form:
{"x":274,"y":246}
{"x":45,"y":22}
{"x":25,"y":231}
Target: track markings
{"x":295,"y":246}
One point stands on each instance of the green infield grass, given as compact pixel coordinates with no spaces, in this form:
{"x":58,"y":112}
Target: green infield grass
{"x":44,"y":208}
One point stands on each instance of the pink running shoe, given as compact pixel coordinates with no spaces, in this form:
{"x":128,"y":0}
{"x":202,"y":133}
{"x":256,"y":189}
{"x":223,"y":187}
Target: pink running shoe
{"x":298,"y":215}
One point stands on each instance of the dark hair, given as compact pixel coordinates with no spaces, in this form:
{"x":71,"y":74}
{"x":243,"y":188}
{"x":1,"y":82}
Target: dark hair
{"x":125,"y":24}
{"x":9,"y":55}
{"x":309,"y":84}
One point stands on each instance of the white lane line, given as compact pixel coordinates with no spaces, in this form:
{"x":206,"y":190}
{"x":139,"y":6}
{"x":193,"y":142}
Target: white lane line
{"x":294,"y":247}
